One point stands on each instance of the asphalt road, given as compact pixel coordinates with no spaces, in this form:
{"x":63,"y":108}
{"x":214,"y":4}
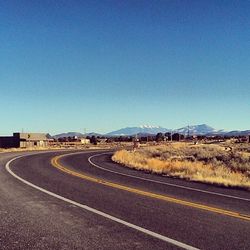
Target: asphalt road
{"x":70,"y":212}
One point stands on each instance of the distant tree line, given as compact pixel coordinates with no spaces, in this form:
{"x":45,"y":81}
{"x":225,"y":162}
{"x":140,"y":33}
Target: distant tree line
{"x":159,"y":137}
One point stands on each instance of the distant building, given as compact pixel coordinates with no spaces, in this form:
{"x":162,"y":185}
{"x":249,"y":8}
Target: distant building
{"x":85,"y":141}
{"x":102,"y":140}
{"x":24,"y":140}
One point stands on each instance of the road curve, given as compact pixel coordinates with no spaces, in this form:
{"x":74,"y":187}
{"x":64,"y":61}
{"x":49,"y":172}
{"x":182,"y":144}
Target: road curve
{"x":75,"y":213}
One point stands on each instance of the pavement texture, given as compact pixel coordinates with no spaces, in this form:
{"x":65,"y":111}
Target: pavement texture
{"x":31,"y":219}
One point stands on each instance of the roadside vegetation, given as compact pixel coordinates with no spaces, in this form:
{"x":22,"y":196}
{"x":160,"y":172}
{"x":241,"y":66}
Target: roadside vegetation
{"x":215,"y":164}
{"x":61,"y":147}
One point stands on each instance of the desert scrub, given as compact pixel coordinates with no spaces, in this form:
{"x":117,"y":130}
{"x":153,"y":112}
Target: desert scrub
{"x":206,"y":163}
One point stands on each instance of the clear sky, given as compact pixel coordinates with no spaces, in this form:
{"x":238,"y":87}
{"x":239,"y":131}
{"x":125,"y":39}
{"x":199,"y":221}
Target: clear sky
{"x":103,"y":65}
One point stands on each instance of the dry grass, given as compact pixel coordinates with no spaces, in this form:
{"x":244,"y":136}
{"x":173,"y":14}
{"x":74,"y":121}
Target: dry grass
{"x":205,"y":163}
{"x":11,"y":150}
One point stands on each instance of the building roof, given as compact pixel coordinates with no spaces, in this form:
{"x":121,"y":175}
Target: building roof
{"x":32,"y":136}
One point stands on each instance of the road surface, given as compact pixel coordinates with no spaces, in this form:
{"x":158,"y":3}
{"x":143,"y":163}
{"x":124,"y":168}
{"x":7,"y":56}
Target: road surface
{"x":83,"y":200}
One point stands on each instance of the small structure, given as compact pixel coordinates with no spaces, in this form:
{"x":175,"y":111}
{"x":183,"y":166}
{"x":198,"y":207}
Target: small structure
{"x":102,"y":140}
{"x":136,"y":144}
{"x":24,"y":140}
{"x":85,"y":141}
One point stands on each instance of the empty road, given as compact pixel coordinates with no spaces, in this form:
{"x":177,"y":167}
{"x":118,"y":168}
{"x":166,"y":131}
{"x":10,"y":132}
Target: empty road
{"x":83,"y":200}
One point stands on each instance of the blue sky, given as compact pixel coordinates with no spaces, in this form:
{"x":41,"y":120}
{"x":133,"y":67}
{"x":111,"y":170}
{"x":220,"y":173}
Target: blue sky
{"x":103,"y":65}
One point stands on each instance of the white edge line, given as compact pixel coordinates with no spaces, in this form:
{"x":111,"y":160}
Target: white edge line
{"x":95,"y":211}
{"x":163,"y":183}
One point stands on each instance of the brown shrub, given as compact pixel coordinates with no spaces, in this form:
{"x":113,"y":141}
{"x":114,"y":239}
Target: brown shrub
{"x":207,"y":163}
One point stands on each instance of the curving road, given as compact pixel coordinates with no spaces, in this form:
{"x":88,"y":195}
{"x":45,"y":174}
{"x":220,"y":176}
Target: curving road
{"x":83,"y":200}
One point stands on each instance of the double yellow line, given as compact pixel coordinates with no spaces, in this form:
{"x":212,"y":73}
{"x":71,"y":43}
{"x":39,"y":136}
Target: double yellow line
{"x":56,"y":164}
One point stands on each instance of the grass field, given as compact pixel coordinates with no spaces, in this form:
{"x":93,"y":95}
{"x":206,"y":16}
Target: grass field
{"x":225,"y":165}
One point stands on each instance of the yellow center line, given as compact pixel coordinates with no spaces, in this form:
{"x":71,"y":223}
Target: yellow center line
{"x":56,"y":164}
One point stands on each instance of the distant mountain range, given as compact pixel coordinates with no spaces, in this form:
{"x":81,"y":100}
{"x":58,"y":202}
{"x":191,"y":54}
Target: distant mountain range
{"x":238,"y":133}
{"x":202,"y":129}
{"x":144,"y":129}
{"x":69,"y":134}
{"x":73,"y":134}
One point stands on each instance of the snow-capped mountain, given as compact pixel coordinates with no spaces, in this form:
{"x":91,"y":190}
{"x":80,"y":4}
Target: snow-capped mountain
{"x":202,"y":129}
{"x":143,"y":129}
{"x":149,"y":127}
